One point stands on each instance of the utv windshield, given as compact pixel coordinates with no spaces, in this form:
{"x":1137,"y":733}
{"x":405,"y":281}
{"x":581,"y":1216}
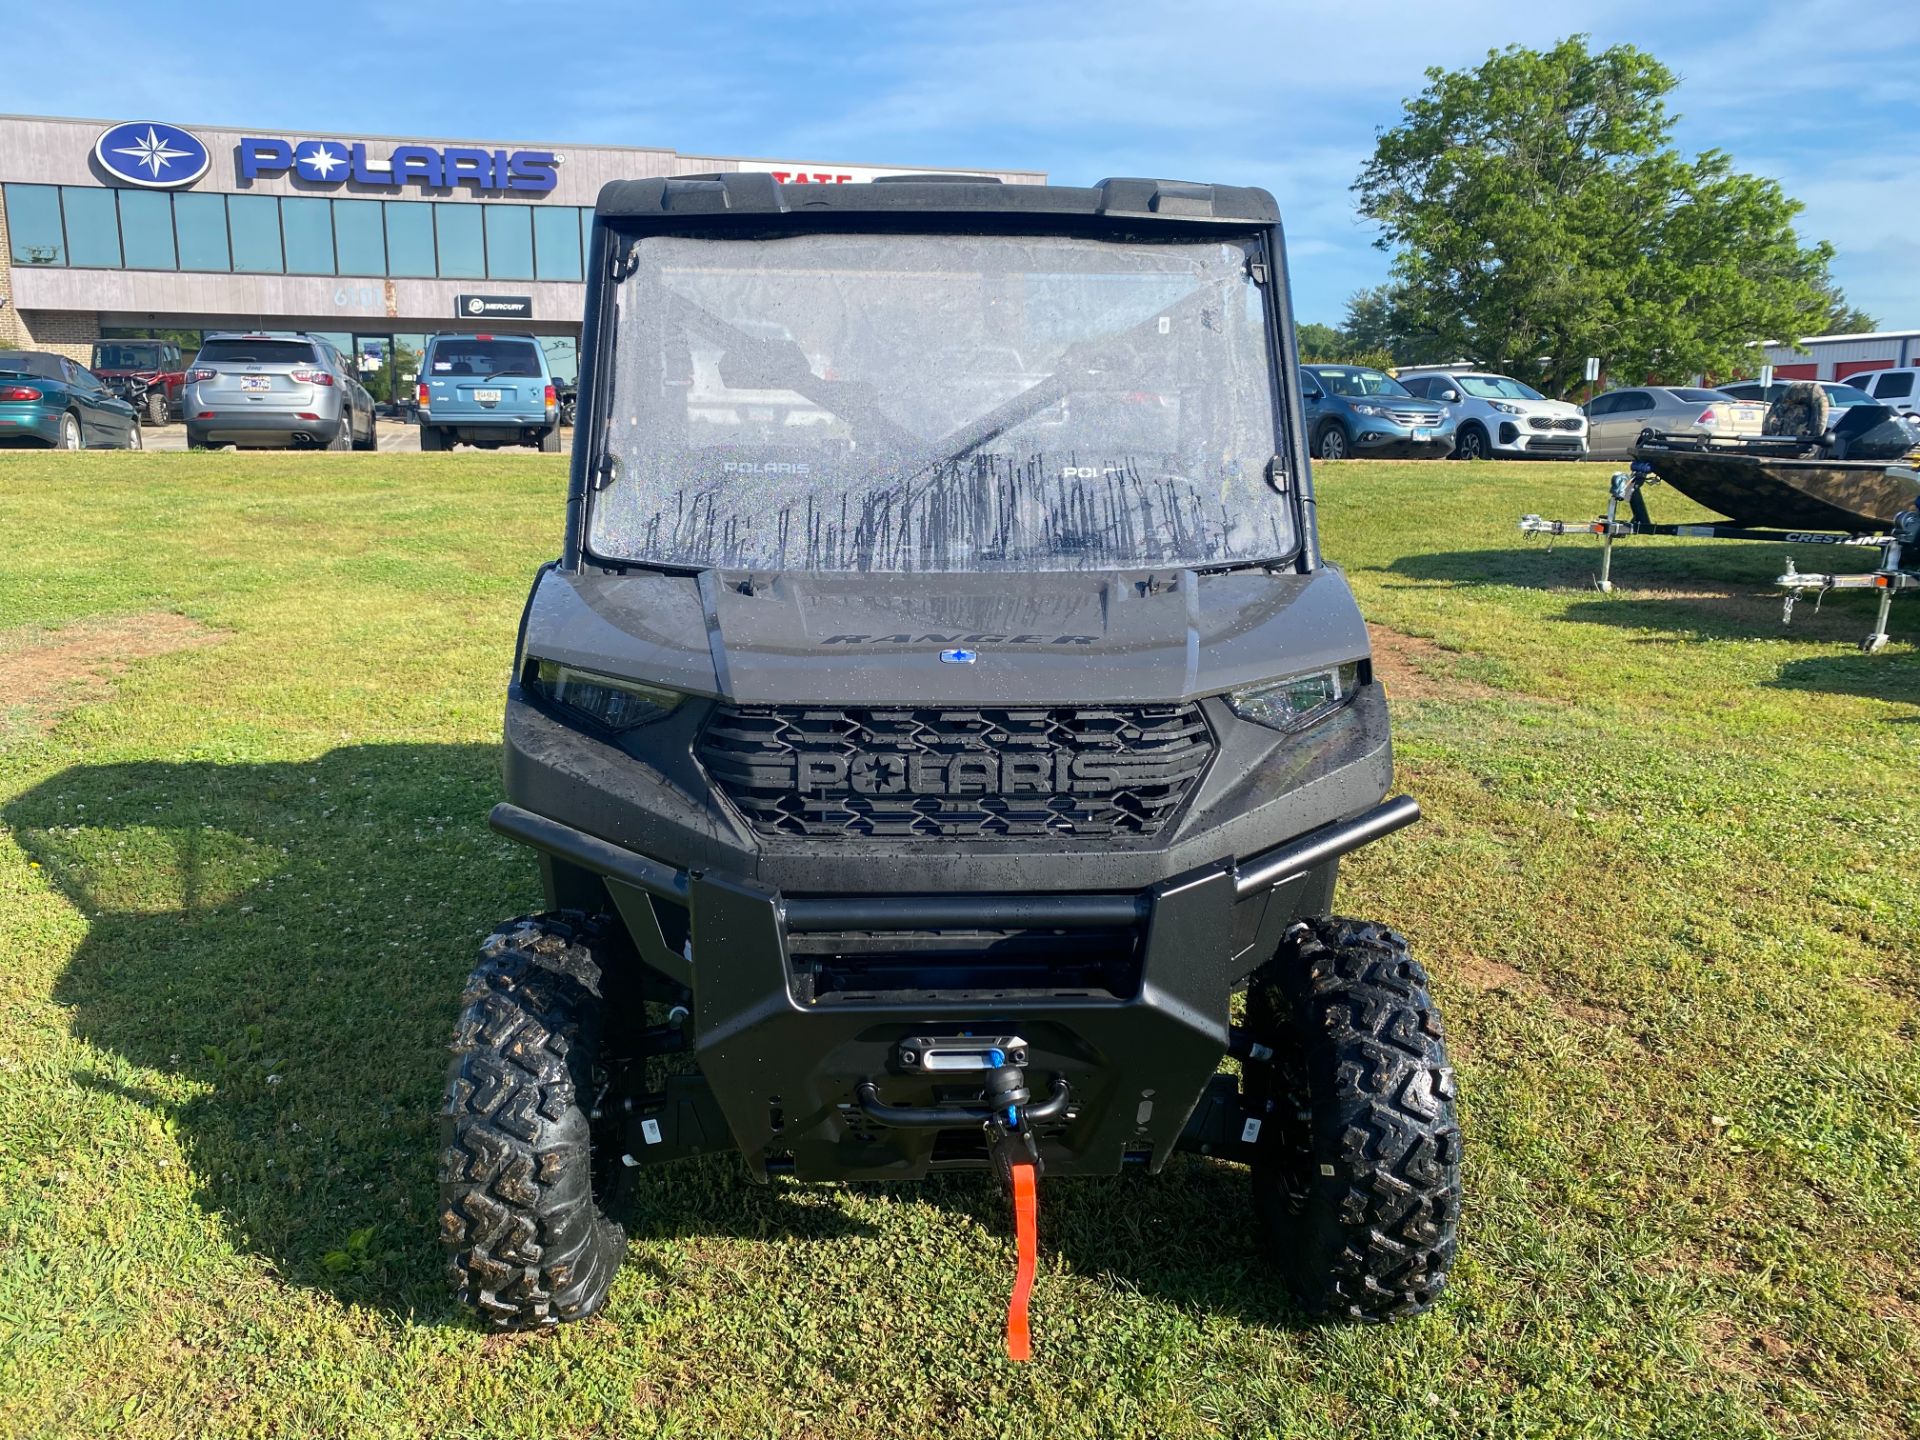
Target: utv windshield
{"x":940,"y":403}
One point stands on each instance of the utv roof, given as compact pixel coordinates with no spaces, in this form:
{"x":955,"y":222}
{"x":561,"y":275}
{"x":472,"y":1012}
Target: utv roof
{"x":752,"y":194}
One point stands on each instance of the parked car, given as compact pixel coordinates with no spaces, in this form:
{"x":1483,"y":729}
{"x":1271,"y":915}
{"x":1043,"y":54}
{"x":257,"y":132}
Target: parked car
{"x":1615,"y":418}
{"x":1357,"y":410}
{"x":487,"y":390}
{"x":147,"y":374}
{"x":1895,"y":388}
{"x":1839,"y":397}
{"x":276,"y":390}
{"x":50,"y":400}
{"x":1497,"y":415}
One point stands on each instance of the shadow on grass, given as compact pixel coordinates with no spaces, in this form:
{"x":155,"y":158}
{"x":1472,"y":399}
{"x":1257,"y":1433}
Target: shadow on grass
{"x":287,"y":943}
{"x":1702,"y":569}
{"x":1894,"y":678}
{"x":290,"y":940}
{"x":1691,"y":592}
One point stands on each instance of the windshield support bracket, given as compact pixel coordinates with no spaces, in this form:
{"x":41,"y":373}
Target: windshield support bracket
{"x":1278,"y":476}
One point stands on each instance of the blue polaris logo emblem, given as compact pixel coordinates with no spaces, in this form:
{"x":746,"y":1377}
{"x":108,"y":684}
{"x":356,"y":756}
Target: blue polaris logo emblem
{"x":151,"y":155}
{"x":959,"y":657}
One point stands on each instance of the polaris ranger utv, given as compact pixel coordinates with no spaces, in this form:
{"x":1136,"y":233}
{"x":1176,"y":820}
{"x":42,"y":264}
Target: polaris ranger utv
{"x":940,"y":711}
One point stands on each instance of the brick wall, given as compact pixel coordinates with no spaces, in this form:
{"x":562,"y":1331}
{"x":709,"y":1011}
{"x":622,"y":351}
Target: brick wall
{"x":9,"y":321}
{"x":63,"y":332}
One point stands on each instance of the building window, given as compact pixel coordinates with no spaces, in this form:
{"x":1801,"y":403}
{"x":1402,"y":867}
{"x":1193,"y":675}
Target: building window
{"x":409,"y":238}
{"x":509,"y":242}
{"x":556,"y":240}
{"x":307,"y":224}
{"x":93,"y":228}
{"x":146,"y":230}
{"x":33,"y":223}
{"x":462,"y":248}
{"x":563,"y":358}
{"x":254,"y":221}
{"x":359,"y":234}
{"x":200,"y":222}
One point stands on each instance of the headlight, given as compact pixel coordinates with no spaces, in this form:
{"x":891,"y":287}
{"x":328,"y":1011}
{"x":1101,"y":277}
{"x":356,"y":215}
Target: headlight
{"x":1299,"y":700}
{"x":1370,"y":410}
{"x":1505,"y":407}
{"x":1446,"y":414}
{"x":609,"y":702}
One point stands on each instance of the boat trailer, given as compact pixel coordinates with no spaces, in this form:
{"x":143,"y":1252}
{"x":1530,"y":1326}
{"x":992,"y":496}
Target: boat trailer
{"x":1894,"y":574}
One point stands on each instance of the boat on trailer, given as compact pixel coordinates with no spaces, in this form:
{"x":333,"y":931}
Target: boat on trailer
{"x":1769,"y":483}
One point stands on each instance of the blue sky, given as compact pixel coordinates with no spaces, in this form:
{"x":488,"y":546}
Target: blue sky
{"x":1285,"y":95}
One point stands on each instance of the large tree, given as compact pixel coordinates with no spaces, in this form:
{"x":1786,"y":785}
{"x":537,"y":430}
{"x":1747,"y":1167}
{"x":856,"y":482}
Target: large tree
{"x":1539,"y":213}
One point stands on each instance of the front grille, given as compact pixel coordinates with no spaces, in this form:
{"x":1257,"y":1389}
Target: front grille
{"x":1570,"y":444}
{"x":1413,"y":417}
{"x":1554,"y":422}
{"x":1075,"y":771}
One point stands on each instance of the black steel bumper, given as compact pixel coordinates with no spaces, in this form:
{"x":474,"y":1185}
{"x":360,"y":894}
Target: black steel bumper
{"x":801,"y":1046}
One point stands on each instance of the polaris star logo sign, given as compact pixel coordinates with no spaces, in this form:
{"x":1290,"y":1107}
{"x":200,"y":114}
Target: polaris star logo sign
{"x":338,"y":162}
{"x":151,"y":155}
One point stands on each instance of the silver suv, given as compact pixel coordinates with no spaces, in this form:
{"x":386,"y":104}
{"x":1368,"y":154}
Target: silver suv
{"x":276,"y":390}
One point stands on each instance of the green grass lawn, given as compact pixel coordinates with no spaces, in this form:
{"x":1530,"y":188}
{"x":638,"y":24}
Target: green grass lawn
{"x":1667,"y":886}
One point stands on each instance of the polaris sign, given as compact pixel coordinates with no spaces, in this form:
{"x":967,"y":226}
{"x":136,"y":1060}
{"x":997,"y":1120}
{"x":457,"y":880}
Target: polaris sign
{"x":151,"y":155}
{"x":333,"y":162}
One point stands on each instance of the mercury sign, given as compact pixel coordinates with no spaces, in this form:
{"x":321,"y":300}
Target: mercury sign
{"x":333,"y":162}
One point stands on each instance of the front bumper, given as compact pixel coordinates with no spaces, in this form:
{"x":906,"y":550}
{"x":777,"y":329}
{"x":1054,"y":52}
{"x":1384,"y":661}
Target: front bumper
{"x":1408,"y":442}
{"x":1516,"y":437}
{"x":799,"y":1001}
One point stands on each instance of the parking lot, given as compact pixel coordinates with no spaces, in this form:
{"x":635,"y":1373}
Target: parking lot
{"x":395,"y":438}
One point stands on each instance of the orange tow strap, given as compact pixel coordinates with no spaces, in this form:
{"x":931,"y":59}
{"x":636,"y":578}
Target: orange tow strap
{"x":1026,"y":1231}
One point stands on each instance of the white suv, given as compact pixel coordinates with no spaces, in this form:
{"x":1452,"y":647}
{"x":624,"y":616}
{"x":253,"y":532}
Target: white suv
{"x":1897,"y":388}
{"x":1499,"y":415}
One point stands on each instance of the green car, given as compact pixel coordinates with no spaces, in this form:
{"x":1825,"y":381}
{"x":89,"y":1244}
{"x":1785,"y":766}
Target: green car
{"x":52,"y":401}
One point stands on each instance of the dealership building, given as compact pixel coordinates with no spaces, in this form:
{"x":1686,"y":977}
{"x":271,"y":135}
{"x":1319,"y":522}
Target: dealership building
{"x":151,"y":230}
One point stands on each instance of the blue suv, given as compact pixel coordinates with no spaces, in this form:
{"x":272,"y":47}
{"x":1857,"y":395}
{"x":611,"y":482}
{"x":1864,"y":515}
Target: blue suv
{"x":487,"y":390}
{"x":1357,"y":410}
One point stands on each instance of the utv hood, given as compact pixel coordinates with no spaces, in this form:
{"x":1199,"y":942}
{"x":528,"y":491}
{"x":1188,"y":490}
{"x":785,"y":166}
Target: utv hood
{"x":1007,"y":639}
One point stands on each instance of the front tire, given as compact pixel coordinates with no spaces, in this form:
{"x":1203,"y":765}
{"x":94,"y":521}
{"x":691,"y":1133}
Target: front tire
{"x":1357,"y":1179}
{"x":1332,"y":442}
{"x":528,"y":1243}
{"x":1471,"y":444}
{"x":156,"y":407}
